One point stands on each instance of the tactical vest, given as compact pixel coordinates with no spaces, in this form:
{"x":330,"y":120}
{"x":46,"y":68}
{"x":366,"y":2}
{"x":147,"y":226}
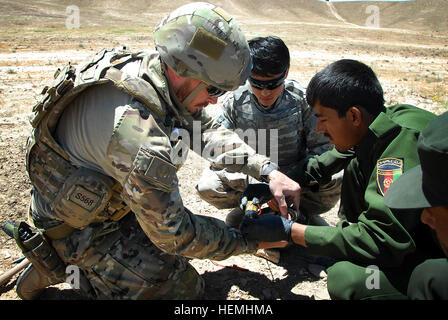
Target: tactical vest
{"x":285,"y":118}
{"x":77,"y":195}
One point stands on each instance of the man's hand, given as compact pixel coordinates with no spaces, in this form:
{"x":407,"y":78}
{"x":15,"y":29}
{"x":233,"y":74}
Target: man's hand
{"x":282,"y":188}
{"x":267,"y":228}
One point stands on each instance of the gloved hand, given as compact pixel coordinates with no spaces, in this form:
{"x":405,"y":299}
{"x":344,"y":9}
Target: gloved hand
{"x":259,"y":193}
{"x":268,"y":228}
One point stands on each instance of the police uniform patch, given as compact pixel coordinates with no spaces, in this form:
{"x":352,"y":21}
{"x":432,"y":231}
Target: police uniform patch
{"x":388,"y":170}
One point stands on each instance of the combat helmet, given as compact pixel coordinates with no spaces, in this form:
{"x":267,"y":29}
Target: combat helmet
{"x":202,"y":41}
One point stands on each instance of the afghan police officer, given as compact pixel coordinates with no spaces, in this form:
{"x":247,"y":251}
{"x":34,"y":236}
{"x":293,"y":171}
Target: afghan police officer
{"x":425,"y":187}
{"x":105,"y":192}
{"x":271,"y":112}
{"x":375,"y":249}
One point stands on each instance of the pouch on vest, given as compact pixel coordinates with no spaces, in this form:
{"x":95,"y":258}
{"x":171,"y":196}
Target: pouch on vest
{"x":83,"y":198}
{"x":37,"y":249}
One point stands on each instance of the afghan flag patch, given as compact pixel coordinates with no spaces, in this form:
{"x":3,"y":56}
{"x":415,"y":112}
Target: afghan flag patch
{"x":388,"y":170}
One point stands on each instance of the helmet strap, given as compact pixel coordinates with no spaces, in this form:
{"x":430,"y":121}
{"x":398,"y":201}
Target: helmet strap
{"x":181,"y":105}
{"x":193,"y":94}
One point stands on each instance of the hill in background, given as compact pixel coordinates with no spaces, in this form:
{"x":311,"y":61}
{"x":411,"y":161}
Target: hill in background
{"x":429,"y":15}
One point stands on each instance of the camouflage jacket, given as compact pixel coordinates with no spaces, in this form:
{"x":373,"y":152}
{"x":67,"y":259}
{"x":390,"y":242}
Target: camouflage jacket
{"x":295,"y":138}
{"x":143,"y":153}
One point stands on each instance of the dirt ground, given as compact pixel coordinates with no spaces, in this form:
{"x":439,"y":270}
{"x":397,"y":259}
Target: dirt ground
{"x":411,"y":65}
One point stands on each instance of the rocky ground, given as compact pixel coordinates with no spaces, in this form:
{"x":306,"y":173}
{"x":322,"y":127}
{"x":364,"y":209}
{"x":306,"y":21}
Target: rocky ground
{"x":411,"y":65}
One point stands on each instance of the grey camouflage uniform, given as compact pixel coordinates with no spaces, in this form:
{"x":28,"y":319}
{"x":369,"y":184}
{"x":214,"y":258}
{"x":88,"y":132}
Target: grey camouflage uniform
{"x":295,"y":141}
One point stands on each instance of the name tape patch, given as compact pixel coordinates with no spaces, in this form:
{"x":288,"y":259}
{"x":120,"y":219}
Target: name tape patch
{"x":84,"y":198}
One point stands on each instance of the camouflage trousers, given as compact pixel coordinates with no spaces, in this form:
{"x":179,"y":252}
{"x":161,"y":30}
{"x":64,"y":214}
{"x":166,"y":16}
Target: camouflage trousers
{"x":223,"y":188}
{"x":118,"y":261}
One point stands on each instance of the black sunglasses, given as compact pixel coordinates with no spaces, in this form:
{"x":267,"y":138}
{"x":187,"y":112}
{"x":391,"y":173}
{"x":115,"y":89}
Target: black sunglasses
{"x":215,"y":92}
{"x":270,"y":84}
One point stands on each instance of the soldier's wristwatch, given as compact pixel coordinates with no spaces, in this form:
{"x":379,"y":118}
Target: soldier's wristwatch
{"x":266,"y":170}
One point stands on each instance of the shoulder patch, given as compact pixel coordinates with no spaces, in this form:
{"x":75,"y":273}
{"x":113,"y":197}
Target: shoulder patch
{"x":161,"y":173}
{"x":387,"y":171}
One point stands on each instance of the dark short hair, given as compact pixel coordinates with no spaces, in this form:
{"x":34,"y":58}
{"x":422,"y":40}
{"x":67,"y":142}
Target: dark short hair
{"x":270,"y":55}
{"x":344,"y":84}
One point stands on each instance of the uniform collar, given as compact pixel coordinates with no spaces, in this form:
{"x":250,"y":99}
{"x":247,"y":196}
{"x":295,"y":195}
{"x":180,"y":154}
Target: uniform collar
{"x":154,"y":69}
{"x":151,"y":69}
{"x":377,"y":134}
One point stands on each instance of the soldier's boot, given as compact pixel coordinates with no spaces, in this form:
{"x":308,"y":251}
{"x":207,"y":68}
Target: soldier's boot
{"x":234,"y":218}
{"x":31,"y":283}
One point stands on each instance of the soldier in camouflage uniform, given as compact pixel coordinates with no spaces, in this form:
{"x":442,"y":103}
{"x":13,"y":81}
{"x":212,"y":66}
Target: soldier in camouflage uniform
{"x":274,"y":110}
{"x":104,"y":153}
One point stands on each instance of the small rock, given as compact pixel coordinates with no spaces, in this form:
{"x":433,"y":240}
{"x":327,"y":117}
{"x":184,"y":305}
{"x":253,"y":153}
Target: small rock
{"x":6,"y":254}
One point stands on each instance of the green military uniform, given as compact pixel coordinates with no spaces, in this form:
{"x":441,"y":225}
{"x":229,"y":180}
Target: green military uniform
{"x":425,"y":187}
{"x":369,"y":233}
{"x":429,"y":281}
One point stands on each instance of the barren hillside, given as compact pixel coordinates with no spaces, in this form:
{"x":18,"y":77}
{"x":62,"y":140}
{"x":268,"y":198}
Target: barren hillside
{"x":421,"y":15}
{"x":417,"y":15}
